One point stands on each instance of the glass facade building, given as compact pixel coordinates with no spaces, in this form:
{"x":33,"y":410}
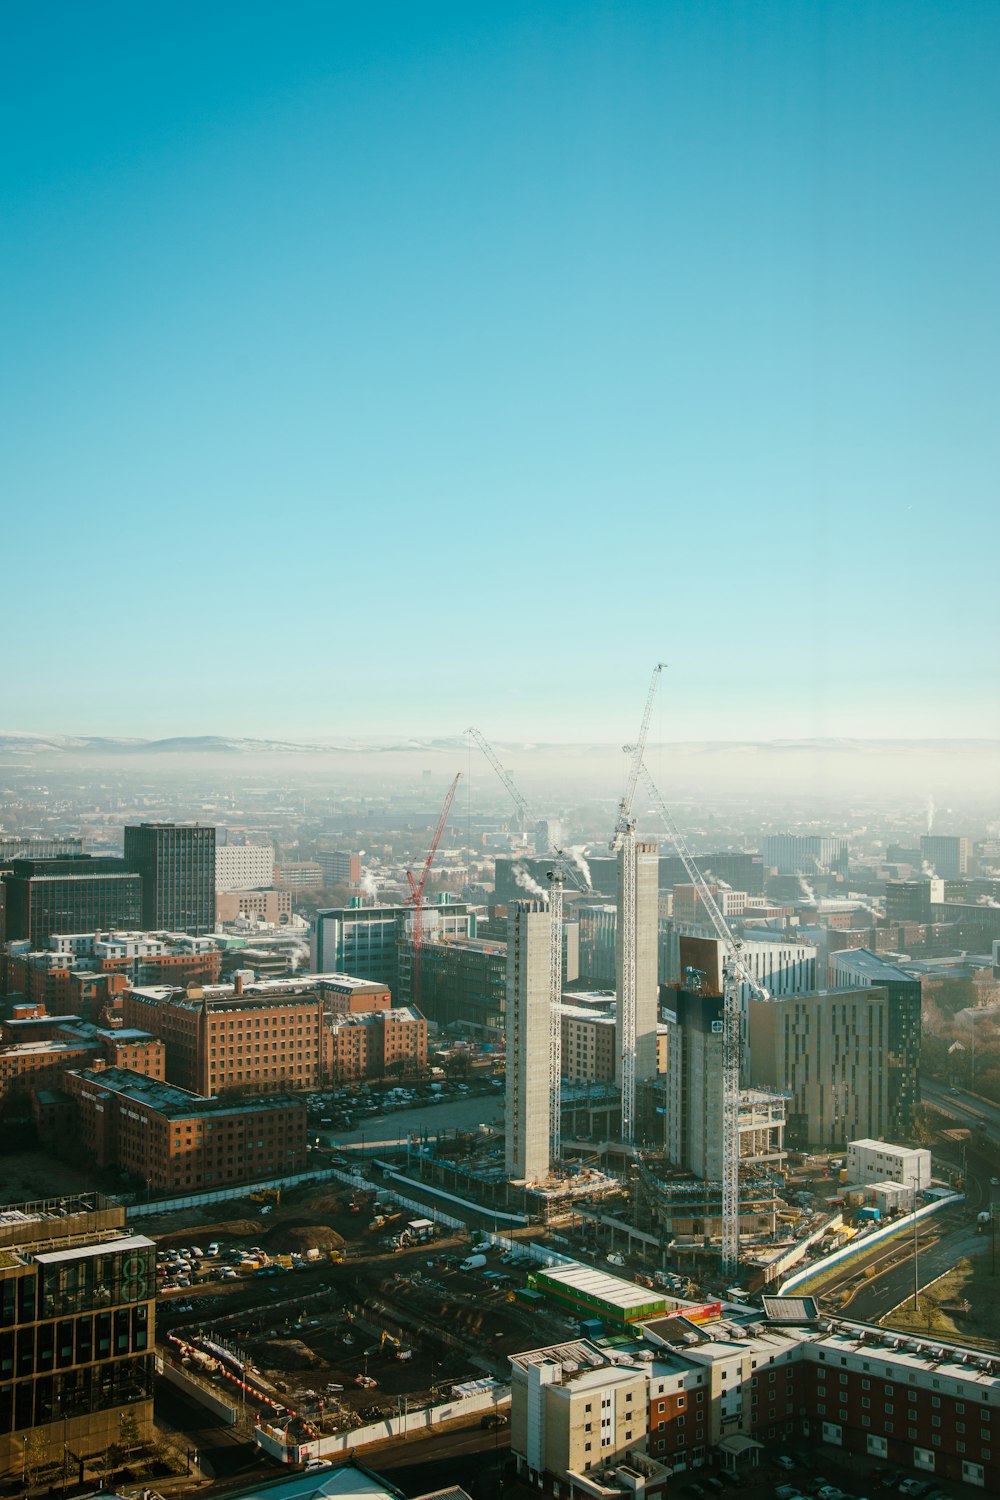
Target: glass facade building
{"x":176,"y":862}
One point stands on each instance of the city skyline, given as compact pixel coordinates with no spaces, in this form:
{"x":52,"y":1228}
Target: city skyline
{"x":365,"y":367}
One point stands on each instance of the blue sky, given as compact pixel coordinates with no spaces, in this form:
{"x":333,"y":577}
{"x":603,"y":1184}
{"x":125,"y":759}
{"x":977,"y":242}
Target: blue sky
{"x":390,"y":367}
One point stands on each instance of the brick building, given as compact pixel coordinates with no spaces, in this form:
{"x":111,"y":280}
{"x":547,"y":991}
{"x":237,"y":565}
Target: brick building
{"x":261,"y":1038}
{"x":376,"y":1043}
{"x":724,"y":1390}
{"x":174,"y":1140}
{"x":36,"y":1052}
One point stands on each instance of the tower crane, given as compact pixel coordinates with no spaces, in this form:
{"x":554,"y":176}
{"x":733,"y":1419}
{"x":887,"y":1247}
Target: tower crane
{"x":736,"y":972}
{"x":417,"y":887}
{"x":491,"y":756}
{"x":623,"y":844}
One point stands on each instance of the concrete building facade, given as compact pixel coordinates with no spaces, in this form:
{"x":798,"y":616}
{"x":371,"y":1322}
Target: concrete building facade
{"x":243,"y":867}
{"x":528,"y":1107}
{"x":647,"y":916}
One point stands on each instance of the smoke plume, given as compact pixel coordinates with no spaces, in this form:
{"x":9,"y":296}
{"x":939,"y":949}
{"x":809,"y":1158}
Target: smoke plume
{"x":526,"y":883}
{"x":576,"y":853}
{"x":807,"y":889}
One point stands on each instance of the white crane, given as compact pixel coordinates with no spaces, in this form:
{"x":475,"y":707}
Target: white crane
{"x":735,"y":973}
{"x":623,"y":844}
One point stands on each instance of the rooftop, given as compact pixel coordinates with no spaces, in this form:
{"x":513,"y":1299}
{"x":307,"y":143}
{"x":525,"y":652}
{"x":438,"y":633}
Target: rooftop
{"x":171,"y":1101}
{"x":862,"y":961}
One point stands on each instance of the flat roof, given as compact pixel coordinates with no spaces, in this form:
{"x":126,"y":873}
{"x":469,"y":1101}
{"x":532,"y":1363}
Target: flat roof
{"x":863,"y":961}
{"x":177,"y":1103}
{"x":100,"y":1247}
{"x":350,"y":1481}
{"x":611,"y":1289}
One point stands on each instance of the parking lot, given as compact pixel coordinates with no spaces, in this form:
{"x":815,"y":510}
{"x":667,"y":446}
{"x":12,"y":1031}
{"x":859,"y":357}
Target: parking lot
{"x":822,"y":1473}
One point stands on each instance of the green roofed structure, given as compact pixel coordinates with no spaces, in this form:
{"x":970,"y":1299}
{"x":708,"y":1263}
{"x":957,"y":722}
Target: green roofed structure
{"x":591,"y":1294}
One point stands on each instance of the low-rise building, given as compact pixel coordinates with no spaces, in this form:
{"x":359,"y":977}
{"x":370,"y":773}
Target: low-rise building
{"x":375,"y":1043}
{"x":173,"y":1140}
{"x":869,"y":1162}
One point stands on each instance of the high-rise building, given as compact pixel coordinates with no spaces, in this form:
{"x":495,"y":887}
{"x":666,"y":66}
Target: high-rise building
{"x":646,"y":938}
{"x":829,"y":1051}
{"x":948,"y":856}
{"x":177,"y":864}
{"x":77,"y":1303}
{"x":806,"y":854}
{"x":243,"y":867}
{"x":528,"y":1102}
{"x":366,"y":940}
{"x":901,"y":1056}
{"x":339,"y":868}
{"x":49,"y":897}
{"x":694,"y":1096}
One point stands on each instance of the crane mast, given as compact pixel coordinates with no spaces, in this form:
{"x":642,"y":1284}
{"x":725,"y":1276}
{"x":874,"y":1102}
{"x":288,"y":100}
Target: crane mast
{"x":623,"y":844}
{"x":417,"y":892}
{"x":555,"y":879}
{"x":735,"y":972}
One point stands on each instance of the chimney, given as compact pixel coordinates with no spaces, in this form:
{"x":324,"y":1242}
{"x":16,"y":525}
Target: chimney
{"x":238,"y":983}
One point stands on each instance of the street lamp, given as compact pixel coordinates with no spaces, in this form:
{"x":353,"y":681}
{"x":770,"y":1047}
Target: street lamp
{"x":916,"y":1240}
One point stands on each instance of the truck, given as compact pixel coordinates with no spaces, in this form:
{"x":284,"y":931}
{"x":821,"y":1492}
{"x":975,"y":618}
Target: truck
{"x":473,"y":1263}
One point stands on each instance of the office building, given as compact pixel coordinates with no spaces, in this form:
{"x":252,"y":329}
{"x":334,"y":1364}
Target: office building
{"x":806,"y":854}
{"x":37,"y":1051}
{"x":366,"y":940}
{"x":528,"y":1103}
{"x":270,"y":908}
{"x":77,"y":1304}
{"x":901,"y":1056}
{"x":54,"y":974}
{"x":243,"y":867}
{"x":339,"y":868}
{"x":549,"y":836}
{"x":12,"y":848}
{"x":48,"y":897}
{"x":463,"y":983}
{"x":388,"y":1042}
{"x":298,"y":875}
{"x":174,"y":1140}
{"x":646,"y":938}
{"x":263,"y":1037}
{"x":947,"y":856}
{"x":908,"y":900}
{"x":176,"y":862}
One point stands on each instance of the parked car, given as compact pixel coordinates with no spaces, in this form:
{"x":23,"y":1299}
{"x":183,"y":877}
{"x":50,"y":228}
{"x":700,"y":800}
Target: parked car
{"x":784,"y":1462}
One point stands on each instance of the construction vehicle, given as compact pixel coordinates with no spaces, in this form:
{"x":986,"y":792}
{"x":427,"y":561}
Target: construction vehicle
{"x":267,"y":1195}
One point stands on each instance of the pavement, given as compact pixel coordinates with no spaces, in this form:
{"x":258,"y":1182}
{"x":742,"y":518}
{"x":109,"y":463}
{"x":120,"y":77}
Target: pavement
{"x":394,"y":1128}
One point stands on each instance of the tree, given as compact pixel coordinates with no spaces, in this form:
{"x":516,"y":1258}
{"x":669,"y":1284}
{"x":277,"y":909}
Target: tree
{"x":36,"y":1456}
{"x":128,"y":1432}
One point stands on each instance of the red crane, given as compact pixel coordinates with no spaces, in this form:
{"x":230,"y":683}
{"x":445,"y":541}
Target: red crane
{"x":416,"y":896}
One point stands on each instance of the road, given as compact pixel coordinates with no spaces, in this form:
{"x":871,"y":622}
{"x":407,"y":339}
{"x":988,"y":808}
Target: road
{"x":468,"y":1456}
{"x":222,"y":1452}
{"x":880,"y":1295}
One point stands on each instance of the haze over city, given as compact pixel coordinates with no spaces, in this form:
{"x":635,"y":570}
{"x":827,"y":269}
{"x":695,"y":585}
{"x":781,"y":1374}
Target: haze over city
{"x":499,"y":820}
